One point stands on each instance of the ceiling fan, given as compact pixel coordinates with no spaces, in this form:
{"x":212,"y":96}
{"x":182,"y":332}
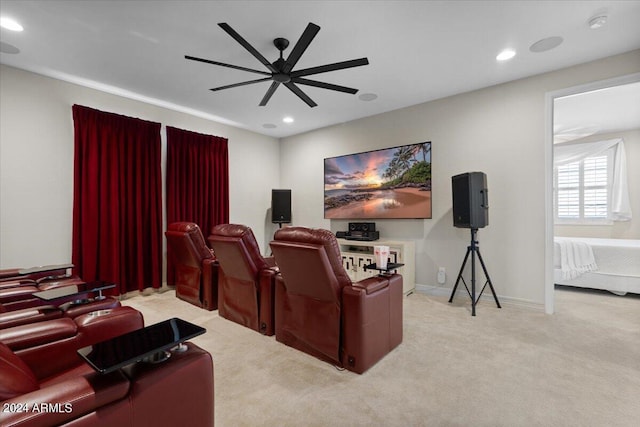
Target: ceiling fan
{"x":281,"y":71}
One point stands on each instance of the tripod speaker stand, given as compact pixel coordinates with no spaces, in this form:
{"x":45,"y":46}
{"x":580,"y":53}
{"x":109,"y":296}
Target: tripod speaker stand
{"x":473,"y":249}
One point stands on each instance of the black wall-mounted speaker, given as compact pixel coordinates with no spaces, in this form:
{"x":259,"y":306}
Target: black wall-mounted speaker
{"x":281,"y":206}
{"x":470,"y":200}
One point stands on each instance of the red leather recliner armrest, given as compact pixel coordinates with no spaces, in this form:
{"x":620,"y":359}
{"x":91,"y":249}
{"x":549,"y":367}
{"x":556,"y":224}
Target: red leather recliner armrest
{"x":88,"y":328}
{"x":105,"y":324}
{"x":31,"y":302}
{"x":67,"y":400}
{"x":16,"y":293}
{"x":36,"y":310}
{"x":47,"y":283}
{"x":9,"y":272}
{"x":159,"y":391}
{"x":372,"y":320}
{"x":372,"y":284}
{"x":38,"y":333}
{"x":24,"y":316}
{"x":91,"y":328}
{"x":11,"y":283}
{"x":74,"y":310}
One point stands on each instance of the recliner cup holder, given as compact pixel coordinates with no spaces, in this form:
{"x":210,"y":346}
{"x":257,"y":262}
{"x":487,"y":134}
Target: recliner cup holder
{"x":157,"y":357}
{"x":100,"y":312}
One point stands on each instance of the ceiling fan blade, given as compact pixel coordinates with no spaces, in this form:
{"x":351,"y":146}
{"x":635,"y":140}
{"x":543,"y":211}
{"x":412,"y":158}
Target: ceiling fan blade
{"x":302,"y":45}
{"x":331,"y":67}
{"x":208,"y":61}
{"x":240,"y":84}
{"x":295,"y":89}
{"x":269,"y":94}
{"x":247,"y":46}
{"x":324,"y":85}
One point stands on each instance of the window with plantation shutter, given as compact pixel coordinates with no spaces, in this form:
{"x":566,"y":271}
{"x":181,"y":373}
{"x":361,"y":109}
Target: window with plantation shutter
{"x":595,"y":182}
{"x":582,"y":190}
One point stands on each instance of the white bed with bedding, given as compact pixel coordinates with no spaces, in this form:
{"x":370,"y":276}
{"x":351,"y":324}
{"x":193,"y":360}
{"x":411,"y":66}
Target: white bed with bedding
{"x":609,"y":264}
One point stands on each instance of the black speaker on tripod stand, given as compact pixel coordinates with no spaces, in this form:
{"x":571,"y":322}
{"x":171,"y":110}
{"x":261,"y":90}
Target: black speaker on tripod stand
{"x":471,"y":210}
{"x":470,"y":200}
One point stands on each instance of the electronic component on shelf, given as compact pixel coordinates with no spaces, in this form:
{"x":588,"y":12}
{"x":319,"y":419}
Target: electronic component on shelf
{"x":362,"y":231}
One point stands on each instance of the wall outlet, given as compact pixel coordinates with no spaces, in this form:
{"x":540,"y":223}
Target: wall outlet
{"x":442,"y":275}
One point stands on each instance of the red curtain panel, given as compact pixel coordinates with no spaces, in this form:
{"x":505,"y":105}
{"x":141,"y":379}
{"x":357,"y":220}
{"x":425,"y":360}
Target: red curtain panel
{"x":197,"y":183}
{"x":117,"y":203}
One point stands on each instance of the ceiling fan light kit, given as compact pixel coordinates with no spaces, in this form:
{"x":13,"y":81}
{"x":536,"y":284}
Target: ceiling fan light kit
{"x":281,"y":71}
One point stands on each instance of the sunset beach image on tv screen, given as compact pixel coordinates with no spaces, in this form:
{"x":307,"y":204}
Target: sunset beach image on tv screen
{"x":388,"y":183}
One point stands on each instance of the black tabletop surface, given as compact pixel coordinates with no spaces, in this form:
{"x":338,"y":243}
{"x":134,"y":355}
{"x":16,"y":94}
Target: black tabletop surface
{"x":110,"y":355}
{"x":390,"y":266}
{"x":72,"y":290}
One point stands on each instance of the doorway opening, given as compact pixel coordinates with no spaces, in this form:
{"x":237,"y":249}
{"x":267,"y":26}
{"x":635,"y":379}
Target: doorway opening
{"x":582,"y":113}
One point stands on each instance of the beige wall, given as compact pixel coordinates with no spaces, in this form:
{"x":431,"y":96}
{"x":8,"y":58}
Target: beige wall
{"x":619,"y":229}
{"x":499,"y":130}
{"x":36,"y":164}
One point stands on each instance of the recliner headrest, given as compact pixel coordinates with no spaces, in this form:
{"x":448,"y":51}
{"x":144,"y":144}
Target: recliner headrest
{"x":244,"y":236}
{"x":190,"y":231}
{"x":317,"y":236}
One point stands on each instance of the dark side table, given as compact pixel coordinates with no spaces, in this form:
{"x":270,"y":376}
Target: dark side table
{"x":392,"y":268}
{"x":149,"y":344}
{"x":73,"y":292}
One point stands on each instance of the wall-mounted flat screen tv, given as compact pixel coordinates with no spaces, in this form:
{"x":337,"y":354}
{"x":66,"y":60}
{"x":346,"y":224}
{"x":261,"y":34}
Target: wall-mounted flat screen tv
{"x":388,"y":183}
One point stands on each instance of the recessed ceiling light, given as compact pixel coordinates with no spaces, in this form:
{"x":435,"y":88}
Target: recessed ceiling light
{"x":546,"y":44}
{"x":10,"y":24}
{"x":367,"y":97}
{"x":288,"y":119}
{"x":597,"y":22}
{"x":269,"y":126}
{"x":506,"y":54}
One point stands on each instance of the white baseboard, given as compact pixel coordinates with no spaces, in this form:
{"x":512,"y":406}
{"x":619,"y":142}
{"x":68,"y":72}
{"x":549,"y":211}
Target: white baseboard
{"x":461,"y":292}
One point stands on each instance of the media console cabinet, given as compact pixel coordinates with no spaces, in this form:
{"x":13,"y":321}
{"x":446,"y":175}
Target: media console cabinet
{"x":357,"y":253}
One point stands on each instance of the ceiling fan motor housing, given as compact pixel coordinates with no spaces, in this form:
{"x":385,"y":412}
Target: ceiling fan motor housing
{"x":281,"y":44}
{"x":281,"y":77}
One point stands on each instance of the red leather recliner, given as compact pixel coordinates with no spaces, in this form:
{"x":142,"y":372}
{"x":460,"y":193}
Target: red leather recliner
{"x":17,"y":284}
{"x":16,"y":291}
{"x":50,"y":346}
{"x":18,"y":305}
{"x":10,"y":318}
{"x":246,"y":280}
{"x":178,"y":391}
{"x":321,"y":312}
{"x":195,"y":264}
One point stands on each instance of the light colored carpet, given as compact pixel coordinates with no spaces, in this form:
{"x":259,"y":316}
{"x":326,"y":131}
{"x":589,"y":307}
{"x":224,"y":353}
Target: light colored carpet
{"x":506,"y":367}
